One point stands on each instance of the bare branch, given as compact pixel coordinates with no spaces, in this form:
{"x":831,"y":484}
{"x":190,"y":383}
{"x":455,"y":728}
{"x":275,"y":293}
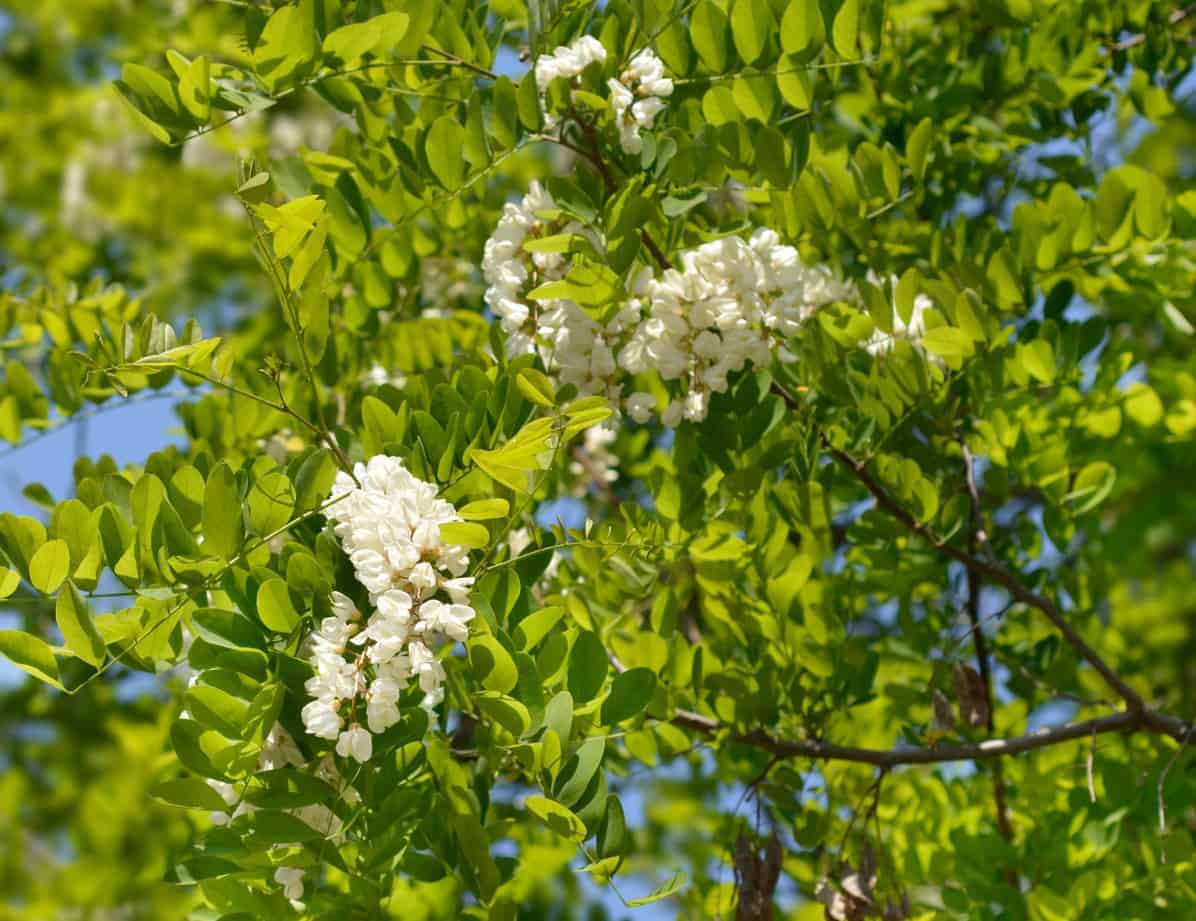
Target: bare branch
{"x":976,"y":535}
{"x":1125,"y":721}
{"x":991,"y":571}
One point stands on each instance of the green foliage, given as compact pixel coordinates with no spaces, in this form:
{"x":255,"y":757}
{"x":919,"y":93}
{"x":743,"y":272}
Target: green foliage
{"x":948,"y":509}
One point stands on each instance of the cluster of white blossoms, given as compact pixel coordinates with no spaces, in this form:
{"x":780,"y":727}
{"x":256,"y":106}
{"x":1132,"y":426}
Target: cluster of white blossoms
{"x":729,"y":302}
{"x":566,"y":63}
{"x":389,"y":527}
{"x":572,"y":342}
{"x":637,"y":96}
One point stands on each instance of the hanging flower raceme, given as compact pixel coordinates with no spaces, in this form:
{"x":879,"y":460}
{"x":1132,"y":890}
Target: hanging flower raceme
{"x":729,"y":302}
{"x":566,"y":63}
{"x":568,"y":339}
{"x":637,"y":96}
{"x":389,"y":526}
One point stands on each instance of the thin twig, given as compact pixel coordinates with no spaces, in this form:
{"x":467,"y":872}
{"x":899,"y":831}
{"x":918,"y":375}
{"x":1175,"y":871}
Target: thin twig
{"x":1162,"y":781}
{"x":977,"y":536}
{"x":991,"y":571}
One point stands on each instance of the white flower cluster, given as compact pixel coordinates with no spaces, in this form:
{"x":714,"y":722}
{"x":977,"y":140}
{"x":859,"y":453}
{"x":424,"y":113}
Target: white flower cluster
{"x":637,"y":97}
{"x":569,"y":339}
{"x":729,"y":302}
{"x":279,"y":751}
{"x":390,"y":528}
{"x":566,"y":63}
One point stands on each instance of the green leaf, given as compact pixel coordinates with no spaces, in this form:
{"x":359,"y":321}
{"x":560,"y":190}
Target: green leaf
{"x":1092,"y":486}
{"x":492,"y":664}
{"x":288,"y":788}
{"x":223,"y":522}
{"x":1038,"y":358}
{"x":587,"y":667}
{"x":527,"y":101}
{"x":392,"y":29}
{"x":801,"y":25}
{"x":190,"y":793}
{"x":506,"y":711}
{"x":30,"y":654}
{"x":630,"y":693}
{"x":443,"y":147}
{"x":917,"y":147}
{"x":314,"y":479}
{"x":79,"y":632}
{"x":708,"y":30}
{"x":288,"y":47}
{"x":755,"y":97}
{"x":50,"y":566}
{"x":845,"y":31}
{"x":536,"y":386}
{"x":505,"y":123}
{"x":751,"y":24}
{"x":485,"y":510}
{"x":195,"y":89}
{"x":10,"y":581}
{"x":475,"y":846}
{"x":612,"y":831}
{"x":662,"y":891}
{"x":465,"y":533}
{"x":350,"y":43}
{"x":533,"y":628}
{"x":227,"y":628}
{"x":274,"y":607}
{"x":558,"y":818}
{"x":947,"y":342}
{"x":579,"y":771}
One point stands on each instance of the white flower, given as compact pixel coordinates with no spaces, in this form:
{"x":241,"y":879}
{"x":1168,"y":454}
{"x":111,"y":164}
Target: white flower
{"x":636,"y":98}
{"x":355,"y":742}
{"x":321,"y":719}
{"x":881,"y":343}
{"x":640,"y":406}
{"x":447,"y":619}
{"x":429,"y":672}
{"x":389,"y":527}
{"x":291,"y":880}
{"x":566,"y":63}
{"x":518,"y":541}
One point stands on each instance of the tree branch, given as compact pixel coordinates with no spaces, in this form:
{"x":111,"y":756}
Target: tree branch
{"x":992,"y":572}
{"x":1124,"y":721}
{"x":976,"y":535}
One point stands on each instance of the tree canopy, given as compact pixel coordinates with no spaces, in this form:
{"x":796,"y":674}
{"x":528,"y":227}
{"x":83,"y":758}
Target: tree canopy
{"x":649,"y":459}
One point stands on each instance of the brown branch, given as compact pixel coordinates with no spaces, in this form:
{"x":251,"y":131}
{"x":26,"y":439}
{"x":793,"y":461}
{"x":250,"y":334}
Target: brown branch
{"x":662,"y":260}
{"x":1124,"y":721}
{"x":977,"y":535}
{"x":594,"y":155}
{"x":992,"y":572}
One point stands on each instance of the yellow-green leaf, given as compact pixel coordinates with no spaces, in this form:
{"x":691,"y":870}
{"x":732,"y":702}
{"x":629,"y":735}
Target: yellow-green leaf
{"x":50,"y":566}
{"x":79,"y":631}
